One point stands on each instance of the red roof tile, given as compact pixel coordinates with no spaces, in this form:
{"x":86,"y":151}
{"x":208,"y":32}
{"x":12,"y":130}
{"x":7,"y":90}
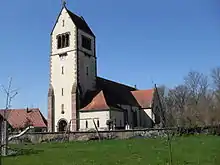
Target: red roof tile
{"x":116,"y":93}
{"x":144,"y":97}
{"x":17,"y":118}
{"x":111,"y":94}
{"x":97,"y":103}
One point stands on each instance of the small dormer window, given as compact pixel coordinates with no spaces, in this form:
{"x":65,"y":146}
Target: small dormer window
{"x":86,"y":42}
{"x":63,"y":40}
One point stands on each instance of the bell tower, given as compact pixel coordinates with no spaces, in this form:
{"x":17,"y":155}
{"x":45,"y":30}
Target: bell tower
{"x":72,"y":69}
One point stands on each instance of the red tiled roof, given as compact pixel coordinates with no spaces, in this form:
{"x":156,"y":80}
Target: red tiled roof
{"x":97,"y":103}
{"x":17,"y":118}
{"x":111,"y":94}
{"x":144,"y":97}
{"x":116,"y":93}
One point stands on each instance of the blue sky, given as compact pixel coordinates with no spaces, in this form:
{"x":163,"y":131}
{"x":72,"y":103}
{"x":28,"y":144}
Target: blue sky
{"x":138,"y":42}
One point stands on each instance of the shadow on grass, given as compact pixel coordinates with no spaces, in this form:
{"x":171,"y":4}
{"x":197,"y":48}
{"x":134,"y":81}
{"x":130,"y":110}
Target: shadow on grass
{"x":19,"y":152}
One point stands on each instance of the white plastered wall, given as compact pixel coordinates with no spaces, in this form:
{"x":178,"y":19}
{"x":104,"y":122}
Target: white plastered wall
{"x":69,"y":64}
{"x":102,"y":115}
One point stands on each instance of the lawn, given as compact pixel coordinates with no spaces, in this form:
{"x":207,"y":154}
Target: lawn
{"x":204,"y":150}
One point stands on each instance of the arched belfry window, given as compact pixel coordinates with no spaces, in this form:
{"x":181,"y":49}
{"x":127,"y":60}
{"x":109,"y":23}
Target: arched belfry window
{"x":59,"y":42}
{"x":63,"y":40}
{"x":67,"y":40}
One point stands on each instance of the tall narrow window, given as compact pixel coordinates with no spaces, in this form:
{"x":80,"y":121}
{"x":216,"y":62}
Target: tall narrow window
{"x":98,"y":123}
{"x":87,"y":70}
{"x":63,"y":23}
{"x":86,"y":124}
{"x":62,"y":108}
{"x":62,"y":70}
{"x":62,"y":91}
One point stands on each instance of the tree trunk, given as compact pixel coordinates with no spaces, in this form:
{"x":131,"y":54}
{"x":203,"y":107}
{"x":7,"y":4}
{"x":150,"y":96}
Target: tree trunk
{"x":4,"y":138}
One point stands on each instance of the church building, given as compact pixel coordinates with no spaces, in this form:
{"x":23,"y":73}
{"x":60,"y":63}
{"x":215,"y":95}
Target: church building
{"x":78,"y":98}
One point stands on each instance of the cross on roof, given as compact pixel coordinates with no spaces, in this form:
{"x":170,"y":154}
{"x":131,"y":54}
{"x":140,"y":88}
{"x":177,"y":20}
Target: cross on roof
{"x":64,"y":3}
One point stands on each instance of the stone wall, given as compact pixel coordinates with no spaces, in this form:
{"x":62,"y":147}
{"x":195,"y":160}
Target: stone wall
{"x":45,"y":137}
{"x":85,"y":136}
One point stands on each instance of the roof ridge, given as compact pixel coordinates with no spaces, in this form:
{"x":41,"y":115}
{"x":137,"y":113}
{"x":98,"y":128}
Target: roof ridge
{"x":18,"y":109}
{"x":96,"y":100}
{"x":103,"y":94}
{"x":77,"y":20}
{"x":119,"y":83}
{"x":84,"y":27}
{"x":143,"y":90}
{"x":144,"y":97}
{"x":69,"y":11}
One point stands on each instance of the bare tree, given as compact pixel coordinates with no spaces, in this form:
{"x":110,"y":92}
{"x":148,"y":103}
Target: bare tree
{"x":176,"y":103}
{"x":10,"y":94}
{"x":215,"y":75}
{"x":161,"y":91}
{"x":187,"y":103}
{"x":197,"y":85}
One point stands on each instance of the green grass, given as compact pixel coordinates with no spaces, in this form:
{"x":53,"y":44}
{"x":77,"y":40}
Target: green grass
{"x":204,"y":150}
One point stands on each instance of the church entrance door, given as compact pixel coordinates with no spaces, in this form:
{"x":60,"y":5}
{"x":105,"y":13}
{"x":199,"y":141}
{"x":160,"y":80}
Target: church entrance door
{"x":62,"y":125}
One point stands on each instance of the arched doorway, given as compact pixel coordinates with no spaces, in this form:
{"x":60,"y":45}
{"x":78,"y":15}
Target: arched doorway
{"x":62,"y":125}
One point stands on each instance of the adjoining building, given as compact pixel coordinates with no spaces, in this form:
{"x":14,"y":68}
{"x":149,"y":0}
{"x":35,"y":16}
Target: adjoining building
{"x":19,"y":119}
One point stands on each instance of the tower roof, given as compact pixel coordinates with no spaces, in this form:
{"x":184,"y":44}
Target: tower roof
{"x":80,"y":22}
